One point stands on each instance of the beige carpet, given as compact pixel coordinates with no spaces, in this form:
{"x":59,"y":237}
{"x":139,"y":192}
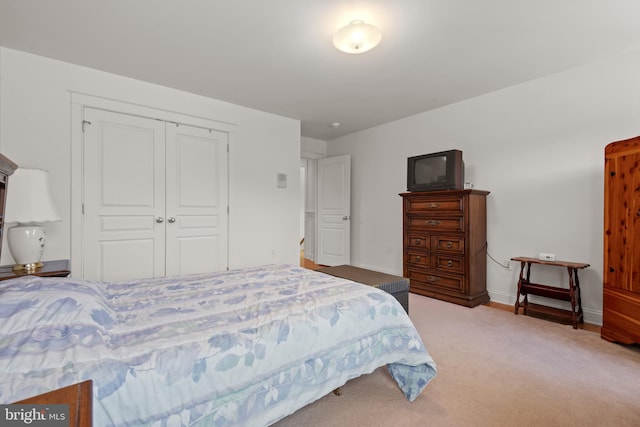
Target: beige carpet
{"x":494,"y":369}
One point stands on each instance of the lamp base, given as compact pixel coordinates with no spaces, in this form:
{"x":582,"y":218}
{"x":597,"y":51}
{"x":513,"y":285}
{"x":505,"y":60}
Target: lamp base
{"x":26,"y":244}
{"x":28,"y":267}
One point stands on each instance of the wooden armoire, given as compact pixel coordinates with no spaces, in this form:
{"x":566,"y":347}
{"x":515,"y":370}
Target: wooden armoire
{"x":621,"y":268}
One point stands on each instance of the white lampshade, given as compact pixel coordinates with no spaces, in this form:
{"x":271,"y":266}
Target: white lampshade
{"x":29,"y":198}
{"x":29,"y":204}
{"x":357,"y":37}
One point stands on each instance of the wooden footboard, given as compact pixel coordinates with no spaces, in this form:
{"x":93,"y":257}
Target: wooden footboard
{"x":79,"y":397}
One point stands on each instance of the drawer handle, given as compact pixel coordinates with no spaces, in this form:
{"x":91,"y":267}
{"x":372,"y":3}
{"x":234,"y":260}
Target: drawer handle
{"x":418,"y":241}
{"x":432,"y":222}
{"x":449,"y":263}
{"x":433,"y":278}
{"x":433,"y":205}
{"x":418,"y":258}
{"x":449,"y":244}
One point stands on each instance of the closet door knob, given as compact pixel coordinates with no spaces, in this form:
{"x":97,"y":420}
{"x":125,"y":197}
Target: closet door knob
{"x":171,"y":220}
{"x":159,"y":220}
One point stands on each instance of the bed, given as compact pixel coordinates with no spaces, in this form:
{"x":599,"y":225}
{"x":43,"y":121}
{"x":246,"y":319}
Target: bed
{"x":242,"y":347}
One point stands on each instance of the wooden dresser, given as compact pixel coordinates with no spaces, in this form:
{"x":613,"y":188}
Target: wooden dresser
{"x":621,"y":264}
{"x":445,"y":245}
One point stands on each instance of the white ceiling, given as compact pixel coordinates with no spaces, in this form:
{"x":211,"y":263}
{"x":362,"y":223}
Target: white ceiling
{"x":277,"y":55}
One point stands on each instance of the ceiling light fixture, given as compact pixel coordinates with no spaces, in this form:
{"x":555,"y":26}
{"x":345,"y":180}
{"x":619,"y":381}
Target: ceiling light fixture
{"x":357,"y":37}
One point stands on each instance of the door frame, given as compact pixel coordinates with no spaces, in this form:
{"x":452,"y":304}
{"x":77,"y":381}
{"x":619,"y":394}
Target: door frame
{"x":81,"y":100}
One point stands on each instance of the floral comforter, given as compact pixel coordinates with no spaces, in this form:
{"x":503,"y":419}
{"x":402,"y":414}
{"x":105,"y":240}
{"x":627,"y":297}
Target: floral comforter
{"x":243,"y":347}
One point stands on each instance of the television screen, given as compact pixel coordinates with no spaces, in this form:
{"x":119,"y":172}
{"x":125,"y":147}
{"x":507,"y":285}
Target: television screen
{"x":430,"y":170}
{"x":436,"y":171}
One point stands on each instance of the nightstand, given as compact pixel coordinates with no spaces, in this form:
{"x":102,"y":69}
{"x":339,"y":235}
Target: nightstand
{"x":57,"y":268}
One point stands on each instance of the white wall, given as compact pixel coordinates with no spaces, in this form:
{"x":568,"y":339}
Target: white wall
{"x":538,"y":147}
{"x":312,"y":148}
{"x":35,"y":131}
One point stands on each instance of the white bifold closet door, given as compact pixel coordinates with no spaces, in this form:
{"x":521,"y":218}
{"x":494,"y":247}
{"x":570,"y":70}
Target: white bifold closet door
{"x":154,"y":198}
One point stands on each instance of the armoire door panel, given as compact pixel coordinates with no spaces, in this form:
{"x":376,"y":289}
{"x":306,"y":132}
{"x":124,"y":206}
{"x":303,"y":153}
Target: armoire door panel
{"x":634,"y":229}
{"x":621,"y":275}
{"x":622,"y":222}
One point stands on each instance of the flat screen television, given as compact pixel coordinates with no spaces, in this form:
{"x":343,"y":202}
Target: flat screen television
{"x":436,"y":171}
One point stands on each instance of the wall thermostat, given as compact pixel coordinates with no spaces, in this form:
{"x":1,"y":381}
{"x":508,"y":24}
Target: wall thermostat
{"x":282,"y":180}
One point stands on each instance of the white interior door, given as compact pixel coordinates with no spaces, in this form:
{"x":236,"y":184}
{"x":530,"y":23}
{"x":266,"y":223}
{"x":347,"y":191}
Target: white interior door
{"x":196,"y":200}
{"x":334,"y":210}
{"x":123,"y":196}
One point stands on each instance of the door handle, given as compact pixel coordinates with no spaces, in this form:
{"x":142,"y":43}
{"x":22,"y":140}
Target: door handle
{"x":159,"y":220}
{"x":345,"y":218}
{"x":171,"y":220}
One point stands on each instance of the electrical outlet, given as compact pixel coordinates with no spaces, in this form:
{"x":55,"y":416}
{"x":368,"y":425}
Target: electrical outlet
{"x":547,"y":257}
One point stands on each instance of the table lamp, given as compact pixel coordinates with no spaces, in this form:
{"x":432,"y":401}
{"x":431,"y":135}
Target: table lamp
{"x":29,"y":204}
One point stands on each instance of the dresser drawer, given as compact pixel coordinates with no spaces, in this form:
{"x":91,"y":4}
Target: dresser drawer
{"x":421,"y":259}
{"x":428,"y":280}
{"x":454,"y":223}
{"x":417,"y":241}
{"x":446,"y":262}
{"x":432,"y":204}
{"x":453,"y":244}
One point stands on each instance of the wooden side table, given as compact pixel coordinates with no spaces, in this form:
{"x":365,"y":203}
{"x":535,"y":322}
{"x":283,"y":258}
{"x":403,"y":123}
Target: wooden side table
{"x":571,"y":294}
{"x":58,"y":268}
